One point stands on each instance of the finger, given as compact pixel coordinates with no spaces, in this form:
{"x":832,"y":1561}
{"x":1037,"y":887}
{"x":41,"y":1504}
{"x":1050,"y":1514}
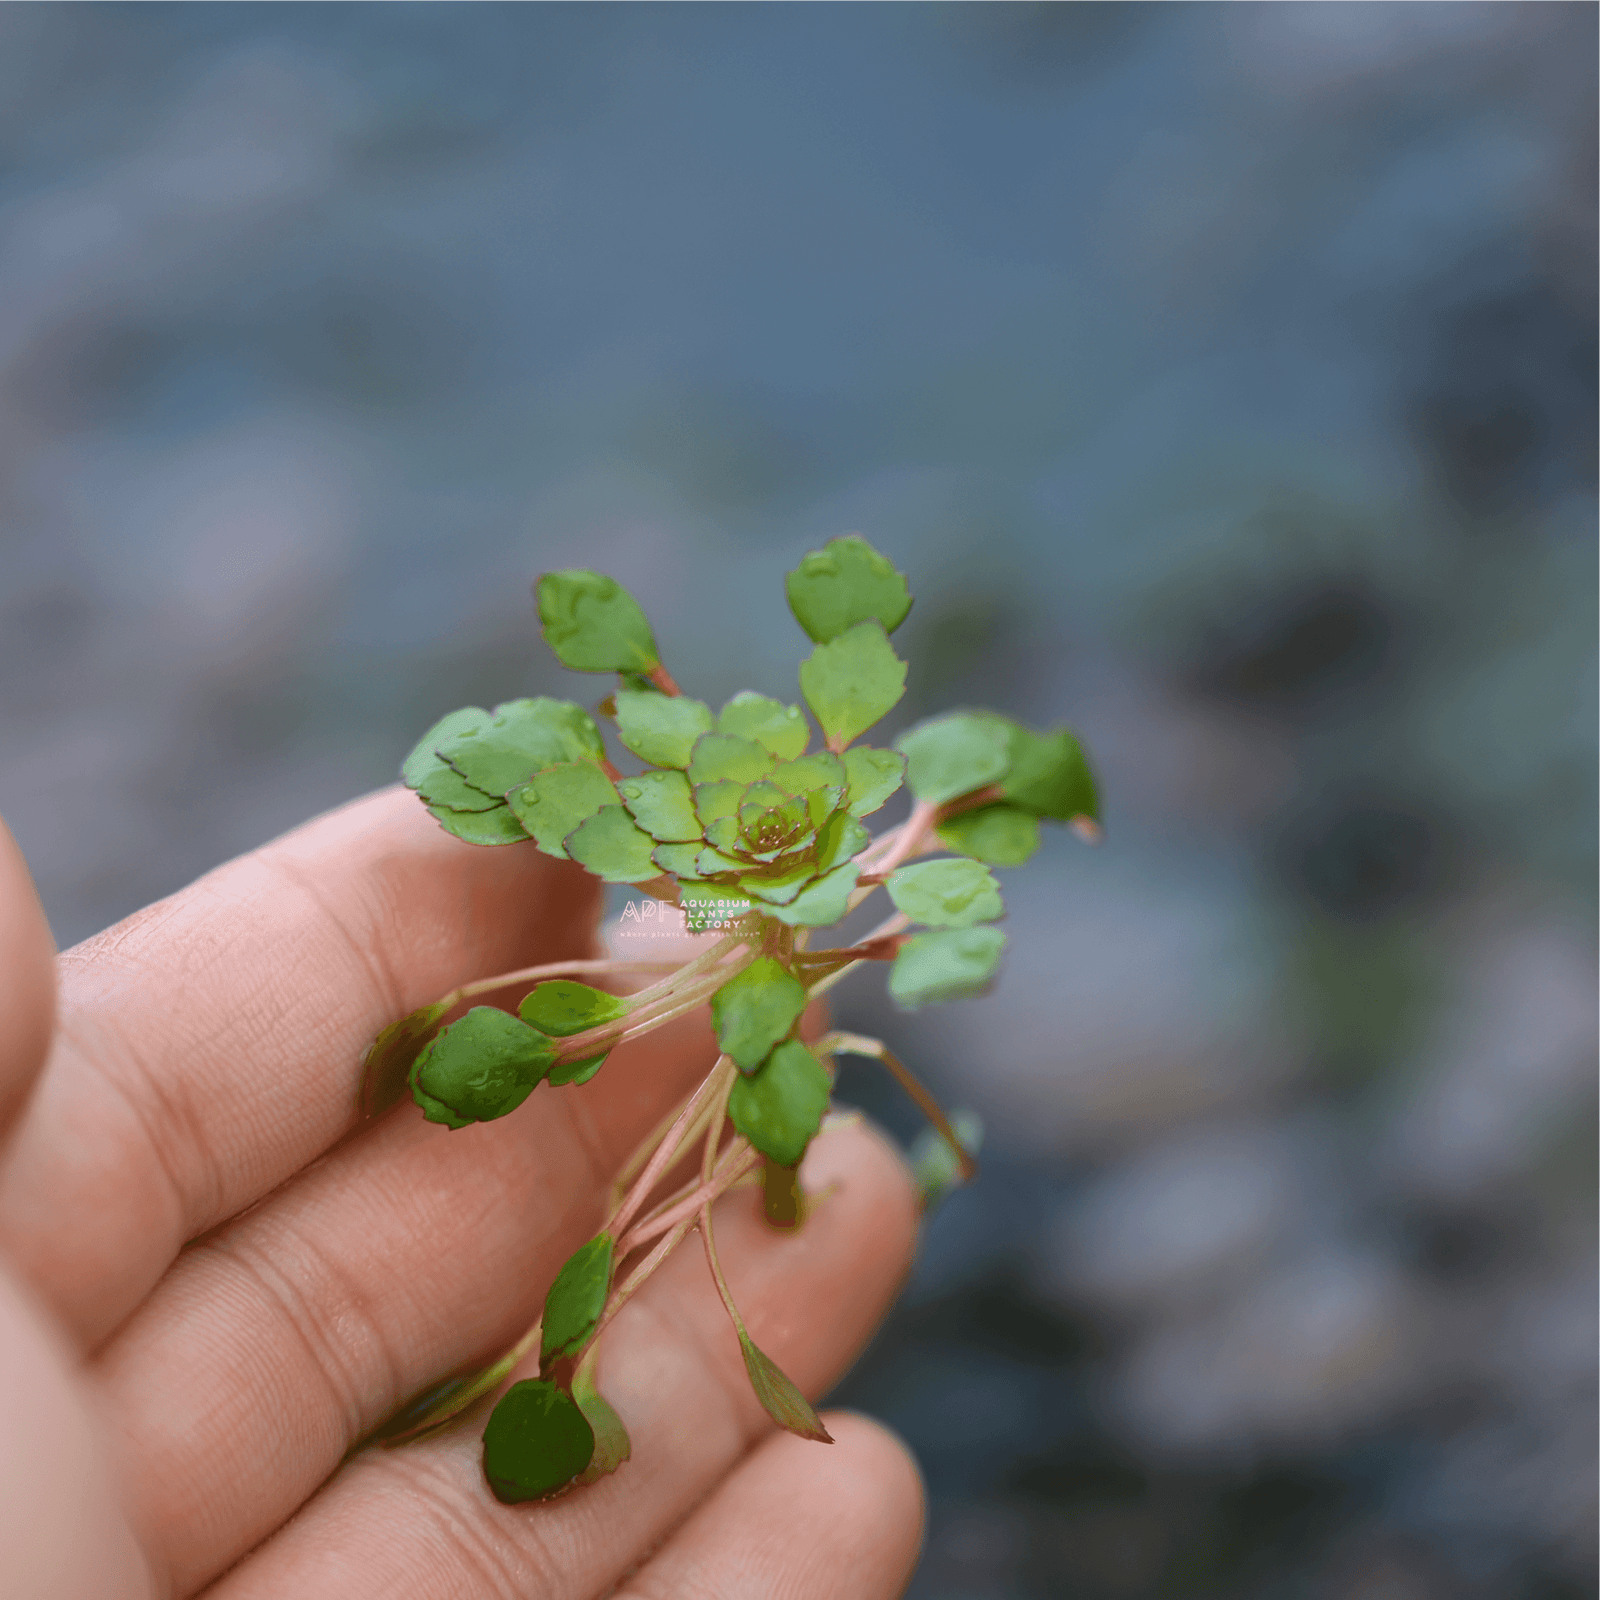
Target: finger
{"x":794,"y":1523}
{"x":418,"y":1523}
{"x":27,"y":979}
{"x":411,"y":1252}
{"x":211,"y":1045}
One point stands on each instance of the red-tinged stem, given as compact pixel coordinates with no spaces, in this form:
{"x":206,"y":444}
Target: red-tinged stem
{"x":989,"y":793}
{"x":662,"y":679}
{"x":912,"y":832}
{"x":875,"y":1050}
{"x":884,"y":929}
{"x":727,"y":1175}
{"x":638,"y":1278}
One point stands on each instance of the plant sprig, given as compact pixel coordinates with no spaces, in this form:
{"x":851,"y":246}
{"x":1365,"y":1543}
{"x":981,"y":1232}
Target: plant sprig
{"x":736,"y":820}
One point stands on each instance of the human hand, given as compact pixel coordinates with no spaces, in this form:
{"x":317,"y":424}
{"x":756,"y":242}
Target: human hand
{"x":213,"y":1282}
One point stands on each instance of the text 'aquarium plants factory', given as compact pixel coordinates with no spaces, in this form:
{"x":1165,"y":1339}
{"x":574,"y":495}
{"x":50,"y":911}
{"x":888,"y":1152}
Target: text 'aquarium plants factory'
{"x":762,"y":841}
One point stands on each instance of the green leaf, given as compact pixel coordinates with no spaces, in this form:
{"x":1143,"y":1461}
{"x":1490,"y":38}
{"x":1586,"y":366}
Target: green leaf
{"x":611,"y":1446}
{"x":678,"y":859}
{"x":843,"y":583}
{"x":851,"y":681}
{"x":934,"y":1165}
{"x":840,"y":838}
{"x":946,"y":894}
{"x":536,"y":1443}
{"x":781,"y":1400}
{"x":720,"y":756}
{"x":954,"y":754}
{"x":872,"y":775}
{"x":425,"y":757}
{"x":388,"y":1063}
{"x":779,"y":1107}
{"x":753,"y":1011}
{"x":480,"y":1068}
{"x":777,"y":888}
{"x":710,"y":906}
{"x":444,"y":786}
{"x":822,"y":903}
{"x":612,"y":847}
{"x":522,"y":738}
{"x":659,"y":728}
{"x":576,"y":1298}
{"x":562,"y":1007}
{"x":718,"y":799}
{"x":808,"y":774}
{"x":554,"y":802}
{"x":576,"y":1072}
{"x":663,"y":805}
{"x":779,"y":728}
{"x":947,"y":965}
{"x":1002,"y":835}
{"x":1049,"y":775}
{"x":593,"y":624}
{"x":499,"y":826}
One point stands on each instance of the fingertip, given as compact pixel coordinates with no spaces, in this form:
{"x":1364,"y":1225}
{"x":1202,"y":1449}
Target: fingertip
{"x":27,"y":978}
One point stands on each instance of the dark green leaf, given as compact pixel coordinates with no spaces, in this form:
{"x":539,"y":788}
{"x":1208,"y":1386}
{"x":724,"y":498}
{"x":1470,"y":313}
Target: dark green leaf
{"x":820,"y":904}
{"x":756,"y":1009}
{"x":613,"y":848}
{"x":593,"y":624}
{"x":661,"y":729}
{"x":946,"y":894}
{"x":779,"y":728}
{"x":777,"y":889}
{"x":480,"y":1068}
{"x":947,"y":965}
{"x":663,"y":805}
{"x":554,"y":802}
{"x":954,"y":754}
{"x":873,"y":775}
{"x":779,"y":1107}
{"x":498,"y":826}
{"x":1002,"y":835}
{"x":781,"y":1400}
{"x":576,"y":1072}
{"x":843,"y":583}
{"x":425,"y":757}
{"x":537,"y":1442}
{"x":388,"y":1063}
{"x":611,"y":1446}
{"x":1049,"y":775}
{"x":521,"y":738}
{"x":851,"y":681}
{"x":562,"y":1007}
{"x":719,"y":756}
{"x":576,"y":1298}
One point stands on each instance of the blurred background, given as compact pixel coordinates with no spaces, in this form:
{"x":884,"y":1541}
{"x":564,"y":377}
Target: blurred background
{"x":1223,"y":377}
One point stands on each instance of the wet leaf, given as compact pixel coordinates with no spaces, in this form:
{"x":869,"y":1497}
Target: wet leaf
{"x":663,"y":805}
{"x":843,"y":583}
{"x":497,"y":826}
{"x":778,"y":1395}
{"x":946,"y":894}
{"x":613,"y":847}
{"x":593,"y":624}
{"x":425,"y":757}
{"x":954,"y":754}
{"x":779,"y":728}
{"x":388,"y":1063}
{"x":577,"y":1297}
{"x":562,"y":1007}
{"x":611,"y":1445}
{"x":851,"y":681}
{"x":753,"y":1011}
{"x":872,"y":775}
{"x":1003,"y":835}
{"x":720,"y":756}
{"x":536,"y":1443}
{"x":947,"y":965}
{"x":576,"y":1072}
{"x":444,"y":786}
{"x":522,"y":738}
{"x":807,"y":774}
{"x":822,"y":903}
{"x":661,"y":729}
{"x":779,"y":1107}
{"x":480,"y":1068}
{"x":554,"y":802}
{"x":1049,"y":775}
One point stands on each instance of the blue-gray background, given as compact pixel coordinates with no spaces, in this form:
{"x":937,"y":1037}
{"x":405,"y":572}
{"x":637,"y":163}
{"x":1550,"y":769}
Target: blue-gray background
{"x":1223,"y":377}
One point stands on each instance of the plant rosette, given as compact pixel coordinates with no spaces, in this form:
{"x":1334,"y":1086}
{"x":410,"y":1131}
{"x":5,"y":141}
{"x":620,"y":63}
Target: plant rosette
{"x":756,"y":828}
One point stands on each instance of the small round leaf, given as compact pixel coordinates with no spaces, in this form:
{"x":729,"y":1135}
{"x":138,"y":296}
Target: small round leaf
{"x":536,"y":1443}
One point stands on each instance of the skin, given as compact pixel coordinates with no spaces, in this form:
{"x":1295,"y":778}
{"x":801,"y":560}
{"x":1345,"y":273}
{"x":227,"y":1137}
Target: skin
{"x":214,"y":1282}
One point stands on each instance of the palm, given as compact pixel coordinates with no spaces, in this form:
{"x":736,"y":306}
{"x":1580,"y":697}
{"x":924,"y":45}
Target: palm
{"x":248,"y":1283}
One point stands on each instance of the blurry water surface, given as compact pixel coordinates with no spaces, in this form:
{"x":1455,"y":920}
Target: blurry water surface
{"x":1224,"y":378}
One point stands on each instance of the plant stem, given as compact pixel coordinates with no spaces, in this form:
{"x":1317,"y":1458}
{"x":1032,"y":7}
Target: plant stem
{"x":893,"y":925}
{"x":728,"y":1174}
{"x":912,"y":832}
{"x":637,"y":1279}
